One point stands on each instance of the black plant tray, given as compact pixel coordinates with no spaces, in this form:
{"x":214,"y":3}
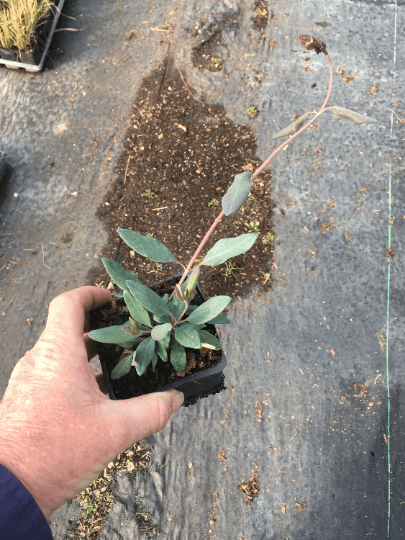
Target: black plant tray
{"x":34,"y":61}
{"x":201,"y":384}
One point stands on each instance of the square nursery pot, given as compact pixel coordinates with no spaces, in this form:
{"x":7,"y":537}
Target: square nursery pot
{"x":38,"y":40}
{"x":202,"y":377}
{"x":9,"y":54}
{"x":33,"y":57}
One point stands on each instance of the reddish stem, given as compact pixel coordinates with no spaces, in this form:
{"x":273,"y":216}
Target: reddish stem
{"x":190,"y":264}
{"x":259,"y":170}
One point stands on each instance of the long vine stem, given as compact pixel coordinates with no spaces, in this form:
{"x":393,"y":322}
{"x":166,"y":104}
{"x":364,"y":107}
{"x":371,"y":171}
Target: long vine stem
{"x":256,"y":173}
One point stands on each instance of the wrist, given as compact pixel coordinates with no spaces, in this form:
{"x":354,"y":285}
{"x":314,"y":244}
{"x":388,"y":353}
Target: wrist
{"x":12,"y":458}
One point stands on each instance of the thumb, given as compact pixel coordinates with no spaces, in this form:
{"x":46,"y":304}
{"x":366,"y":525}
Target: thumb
{"x":144,"y":415}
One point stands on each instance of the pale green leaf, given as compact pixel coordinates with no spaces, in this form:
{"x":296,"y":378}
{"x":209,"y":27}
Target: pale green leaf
{"x":148,"y":298}
{"x":160,"y":331}
{"x":237,"y":193}
{"x":187,"y":335}
{"x":112,"y":334}
{"x":122,"y":368}
{"x":144,"y":355}
{"x":161,"y":319}
{"x":162,"y":346}
{"x":229,"y":247}
{"x":210,"y":309}
{"x":178,"y":357}
{"x":118,"y":274}
{"x":209,"y":341}
{"x":137,"y":311}
{"x":219,"y":319}
{"x":147,"y":246}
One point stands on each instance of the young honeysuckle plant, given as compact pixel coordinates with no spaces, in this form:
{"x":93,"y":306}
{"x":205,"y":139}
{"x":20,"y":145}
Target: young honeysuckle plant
{"x":159,"y":326}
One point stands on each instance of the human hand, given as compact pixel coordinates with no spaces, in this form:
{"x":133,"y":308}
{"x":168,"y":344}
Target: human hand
{"x":58,"y":430}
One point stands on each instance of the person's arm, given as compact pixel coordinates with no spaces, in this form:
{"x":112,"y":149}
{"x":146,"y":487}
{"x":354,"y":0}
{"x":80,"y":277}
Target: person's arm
{"x":58,"y":431}
{"x":20,"y":515}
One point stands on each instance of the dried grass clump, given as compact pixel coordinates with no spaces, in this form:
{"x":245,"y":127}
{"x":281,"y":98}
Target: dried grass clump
{"x":18,"y":21}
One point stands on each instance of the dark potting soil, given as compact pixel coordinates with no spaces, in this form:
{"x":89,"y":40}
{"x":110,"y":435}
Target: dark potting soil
{"x":262,"y":15}
{"x":206,"y":56}
{"x":132,"y":384}
{"x":180,"y":157}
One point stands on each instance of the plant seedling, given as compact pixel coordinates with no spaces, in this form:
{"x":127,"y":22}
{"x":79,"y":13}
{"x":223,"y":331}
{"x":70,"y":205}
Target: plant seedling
{"x":266,"y":276}
{"x":229,"y":269}
{"x":252,"y":225}
{"x":156,"y":270}
{"x":214,"y":201}
{"x":216,"y":62}
{"x":269,"y":237}
{"x":148,"y":193}
{"x":156,"y":325}
{"x":261,"y":12}
{"x":252,"y":111}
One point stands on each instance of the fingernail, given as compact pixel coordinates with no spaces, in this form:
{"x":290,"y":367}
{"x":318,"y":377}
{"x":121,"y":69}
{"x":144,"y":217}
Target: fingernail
{"x":179,"y":397}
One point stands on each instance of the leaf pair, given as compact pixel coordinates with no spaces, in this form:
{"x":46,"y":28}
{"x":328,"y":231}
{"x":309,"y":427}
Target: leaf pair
{"x":337,"y":112}
{"x":156,"y":251}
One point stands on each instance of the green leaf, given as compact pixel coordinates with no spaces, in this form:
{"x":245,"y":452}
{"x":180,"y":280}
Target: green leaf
{"x":219,"y":319}
{"x":229,"y":247}
{"x":209,"y":341}
{"x":144,"y":354}
{"x":160,"y":331}
{"x":237,"y":193}
{"x":162,"y":347}
{"x":123,"y":367}
{"x":346,"y":114}
{"x":118,"y":274}
{"x":112,"y":334}
{"x":187,"y":335}
{"x":180,"y":310}
{"x":179,"y":293}
{"x":294,"y":127}
{"x":118,"y":294}
{"x":199,"y":326}
{"x":137,"y":311}
{"x":147,"y":246}
{"x":148,"y":298}
{"x":210,"y":309}
{"x":154,"y":361}
{"x":161,"y":319}
{"x":192,"y":279}
{"x":178,"y":357}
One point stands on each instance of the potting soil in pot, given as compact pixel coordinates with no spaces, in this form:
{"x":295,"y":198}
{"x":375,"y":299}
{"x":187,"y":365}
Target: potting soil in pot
{"x":132,"y":385}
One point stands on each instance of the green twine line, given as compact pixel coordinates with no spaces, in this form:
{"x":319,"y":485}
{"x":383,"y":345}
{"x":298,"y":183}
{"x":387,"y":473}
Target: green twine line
{"x":388,"y":303}
{"x":386,"y":357}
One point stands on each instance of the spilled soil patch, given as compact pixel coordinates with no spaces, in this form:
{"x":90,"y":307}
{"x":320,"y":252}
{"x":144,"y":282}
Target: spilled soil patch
{"x":180,"y":157}
{"x":206,"y":57}
{"x":262,"y":15}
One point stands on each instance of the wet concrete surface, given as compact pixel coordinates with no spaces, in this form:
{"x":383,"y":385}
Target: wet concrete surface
{"x":313,"y":354}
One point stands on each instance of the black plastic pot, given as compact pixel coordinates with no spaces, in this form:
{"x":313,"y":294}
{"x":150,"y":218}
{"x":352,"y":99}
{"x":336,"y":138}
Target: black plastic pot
{"x":33,"y":57}
{"x":194,"y":387}
{"x":8,"y":54}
